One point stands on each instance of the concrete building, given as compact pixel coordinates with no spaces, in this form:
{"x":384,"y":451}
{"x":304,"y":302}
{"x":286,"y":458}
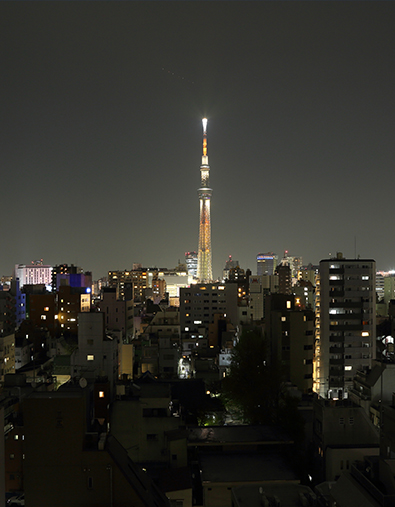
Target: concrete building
{"x":234,"y":456}
{"x":191,"y":260}
{"x":260,"y":286}
{"x":33,"y":274}
{"x":345,"y":323}
{"x":266,"y":263}
{"x":295,"y":263}
{"x":141,"y":417}
{"x":7,"y":313}
{"x":65,"y":274}
{"x":7,"y":355}
{"x":307,"y":273}
{"x":287,"y":495}
{"x":200,"y":303}
{"x":67,"y":462}
{"x":118,"y":313}
{"x":284,"y":279}
{"x":342,"y":433}
{"x":290,"y":335}
{"x":374,"y":388}
{"x":97,"y":353}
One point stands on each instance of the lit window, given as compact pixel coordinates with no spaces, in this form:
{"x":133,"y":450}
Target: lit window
{"x":90,"y":357}
{"x":43,"y":317}
{"x":46,"y":309}
{"x":288,"y":304}
{"x":283,"y":319}
{"x":348,"y":368}
{"x":365,"y":333}
{"x":101,"y":394}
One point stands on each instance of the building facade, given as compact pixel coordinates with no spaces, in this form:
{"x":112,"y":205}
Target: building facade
{"x":266,"y":263}
{"x":33,"y":274}
{"x":345,"y":340}
{"x":200,"y":303}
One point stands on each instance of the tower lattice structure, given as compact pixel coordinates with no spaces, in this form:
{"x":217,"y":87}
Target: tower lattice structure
{"x":204,"y":271}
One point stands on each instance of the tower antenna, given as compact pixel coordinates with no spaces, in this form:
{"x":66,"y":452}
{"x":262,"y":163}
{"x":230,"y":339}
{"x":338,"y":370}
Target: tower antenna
{"x":204,"y":271}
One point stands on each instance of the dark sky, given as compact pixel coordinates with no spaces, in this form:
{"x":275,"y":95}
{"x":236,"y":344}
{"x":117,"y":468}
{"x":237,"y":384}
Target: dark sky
{"x":101,"y":107}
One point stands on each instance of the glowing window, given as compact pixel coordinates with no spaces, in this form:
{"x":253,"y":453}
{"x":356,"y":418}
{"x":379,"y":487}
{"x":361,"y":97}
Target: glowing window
{"x":101,"y":394}
{"x":90,"y":357}
{"x":288,"y":304}
{"x":46,"y":309}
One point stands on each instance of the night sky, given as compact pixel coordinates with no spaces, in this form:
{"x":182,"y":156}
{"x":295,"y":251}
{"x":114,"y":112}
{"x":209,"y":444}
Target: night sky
{"x":101,"y":136}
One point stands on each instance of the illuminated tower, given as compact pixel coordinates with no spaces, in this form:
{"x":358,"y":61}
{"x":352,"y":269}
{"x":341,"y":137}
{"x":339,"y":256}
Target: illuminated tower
{"x":204,"y":270}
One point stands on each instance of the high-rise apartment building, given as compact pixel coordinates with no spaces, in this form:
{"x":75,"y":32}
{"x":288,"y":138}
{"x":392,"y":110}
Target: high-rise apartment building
{"x":266,"y":263}
{"x":204,"y":270}
{"x":345,"y":338}
{"x":200,"y":303}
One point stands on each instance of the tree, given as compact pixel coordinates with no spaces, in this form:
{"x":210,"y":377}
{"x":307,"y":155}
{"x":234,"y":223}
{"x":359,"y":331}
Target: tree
{"x":253,"y":384}
{"x":254,"y":387}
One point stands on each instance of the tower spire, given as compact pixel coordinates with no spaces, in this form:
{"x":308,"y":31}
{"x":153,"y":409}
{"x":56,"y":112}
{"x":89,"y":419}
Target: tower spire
{"x":204,"y":272}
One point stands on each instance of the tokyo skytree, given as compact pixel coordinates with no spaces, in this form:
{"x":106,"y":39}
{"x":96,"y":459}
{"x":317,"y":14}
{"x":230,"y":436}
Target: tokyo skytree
{"x":204,"y":270}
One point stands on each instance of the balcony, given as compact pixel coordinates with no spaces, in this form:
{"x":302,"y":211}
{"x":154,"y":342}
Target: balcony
{"x":347,"y":327}
{"x":336,"y":339}
{"x":336,"y":271}
{"x":346,"y":304}
{"x":334,"y":362}
{"x":336,"y":350}
{"x":333,"y":293}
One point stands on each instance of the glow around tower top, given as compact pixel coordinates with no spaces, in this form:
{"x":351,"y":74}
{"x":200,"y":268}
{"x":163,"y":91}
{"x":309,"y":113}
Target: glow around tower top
{"x":204,"y":121}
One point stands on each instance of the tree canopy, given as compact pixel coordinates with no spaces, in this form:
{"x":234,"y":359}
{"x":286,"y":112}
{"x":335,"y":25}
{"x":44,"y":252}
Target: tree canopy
{"x":252,"y":383}
{"x":254,"y":387}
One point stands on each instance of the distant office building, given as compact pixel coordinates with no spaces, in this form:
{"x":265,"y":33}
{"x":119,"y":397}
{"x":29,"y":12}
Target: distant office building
{"x":345,"y":323}
{"x":295,"y":263}
{"x":229,"y":264}
{"x":174,"y":281}
{"x":131,"y":284}
{"x":34,"y":274}
{"x":266,"y":263}
{"x":385,"y":286}
{"x":191,"y":260}
{"x":307,"y":273}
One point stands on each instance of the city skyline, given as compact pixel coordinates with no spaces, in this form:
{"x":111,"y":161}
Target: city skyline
{"x":101,"y":129}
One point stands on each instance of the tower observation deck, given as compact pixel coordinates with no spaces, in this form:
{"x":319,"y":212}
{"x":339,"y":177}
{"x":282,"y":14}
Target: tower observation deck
{"x":204,"y":270}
